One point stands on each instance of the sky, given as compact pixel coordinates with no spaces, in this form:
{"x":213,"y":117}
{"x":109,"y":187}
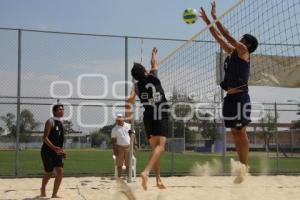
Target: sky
{"x":153,"y":18}
{"x":48,"y":58}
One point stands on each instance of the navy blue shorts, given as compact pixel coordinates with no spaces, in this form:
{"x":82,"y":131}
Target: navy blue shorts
{"x":237,"y":110}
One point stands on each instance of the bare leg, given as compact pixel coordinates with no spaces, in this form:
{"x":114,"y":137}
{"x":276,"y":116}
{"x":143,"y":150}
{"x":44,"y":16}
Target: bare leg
{"x":156,"y":152}
{"x":242,"y":145}
{"x":237,"y":142}
{"x":58,"y":178}
{"x":45,"y":180}
{"x":156,"y":169}
{"x":119,"y":171}
{"x":159,"y":182}
{"x":245,"y":146}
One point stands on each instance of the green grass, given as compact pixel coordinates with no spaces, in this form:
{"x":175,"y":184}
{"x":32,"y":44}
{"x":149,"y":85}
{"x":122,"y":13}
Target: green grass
{"x":96,"y":162}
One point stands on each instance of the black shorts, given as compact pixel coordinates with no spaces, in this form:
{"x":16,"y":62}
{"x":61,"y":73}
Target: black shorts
{"x":158,"y":127}
{"x":237,"y":110}
{"x":50,"y":161}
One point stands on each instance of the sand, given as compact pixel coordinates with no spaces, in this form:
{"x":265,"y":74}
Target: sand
{"x":186,"y":188}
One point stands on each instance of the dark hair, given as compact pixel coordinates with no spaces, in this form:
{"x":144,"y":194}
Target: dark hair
{"x":250,"y":39}
{"x":138,"y":72}
{"x":56,"y":107}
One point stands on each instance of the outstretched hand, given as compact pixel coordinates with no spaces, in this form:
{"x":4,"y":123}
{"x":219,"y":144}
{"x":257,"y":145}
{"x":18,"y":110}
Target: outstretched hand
{"x":154,"y":63}
{"x":213,"y":10}
{"x":203,"y":16}
{"x":154,"y":51}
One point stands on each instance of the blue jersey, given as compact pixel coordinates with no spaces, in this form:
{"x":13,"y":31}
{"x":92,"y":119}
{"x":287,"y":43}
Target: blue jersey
{"x":237,"y":73}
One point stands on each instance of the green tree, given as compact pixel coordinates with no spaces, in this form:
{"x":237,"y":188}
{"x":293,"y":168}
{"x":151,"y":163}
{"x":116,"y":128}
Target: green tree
{"x":183,"y":111}
{"x":1,"y":130}
{"x":295,"y":124}
{"x":97,"y":139}
{"x":181,"y":128}
{"x":68,"y":126}
{"x":268,"y":126}
{"x":141,"y":133}
{"x":103,"y":134}
{"x":9,"y":121}
{"x":207,"y":125}
{"x":107,"y":129}
{"x":28,"y":120}
{"x":209,"y":129}
{"x":27,"y":124}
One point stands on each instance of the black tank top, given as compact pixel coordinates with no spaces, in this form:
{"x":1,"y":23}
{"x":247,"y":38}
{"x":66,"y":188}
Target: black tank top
{"x":237,"y":72}
{"x":152,"y":95}
{"x":56,"y":136}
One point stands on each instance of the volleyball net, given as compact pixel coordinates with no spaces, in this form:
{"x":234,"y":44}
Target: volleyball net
{"x":195,"y":67}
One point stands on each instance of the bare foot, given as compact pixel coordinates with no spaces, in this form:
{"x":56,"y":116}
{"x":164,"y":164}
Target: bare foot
{"x":43,"y":192}
{"x":160,"y":185}
{"x":243,"y":172}
{"x":55,"y":196}
{"x":144,"y":177}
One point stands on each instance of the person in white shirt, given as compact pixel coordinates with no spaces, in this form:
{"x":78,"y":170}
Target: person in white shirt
{"x":120,"y":143}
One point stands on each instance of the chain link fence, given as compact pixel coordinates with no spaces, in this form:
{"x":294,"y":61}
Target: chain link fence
{"x":90,"y":75}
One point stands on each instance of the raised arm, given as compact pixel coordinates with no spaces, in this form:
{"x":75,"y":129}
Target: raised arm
{"x":128,"y":107}
{"x":240,"y":47}
{"x":219,"y":38}
{"x":154,"y":62}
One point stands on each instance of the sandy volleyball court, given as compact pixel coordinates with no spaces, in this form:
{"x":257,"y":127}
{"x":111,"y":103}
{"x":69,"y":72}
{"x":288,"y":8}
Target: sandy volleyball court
{"x":187,"y":188}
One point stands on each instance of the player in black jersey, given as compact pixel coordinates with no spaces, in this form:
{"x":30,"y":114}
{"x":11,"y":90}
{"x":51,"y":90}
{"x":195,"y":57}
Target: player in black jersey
{"x":52,"y":153}
{"x":237,"y":105}
{"x":155,"y":117}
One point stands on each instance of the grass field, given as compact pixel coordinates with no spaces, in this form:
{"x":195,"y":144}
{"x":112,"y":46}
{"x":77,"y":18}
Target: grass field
{"x":83,"y":162}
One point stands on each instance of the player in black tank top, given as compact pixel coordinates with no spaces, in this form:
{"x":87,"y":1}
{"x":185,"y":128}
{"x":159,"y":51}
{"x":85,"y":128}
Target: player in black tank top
{"x":152,"y":96}
{"x":51,"y":152}
{"x":236,"y":107}
{"x":56,"y":137}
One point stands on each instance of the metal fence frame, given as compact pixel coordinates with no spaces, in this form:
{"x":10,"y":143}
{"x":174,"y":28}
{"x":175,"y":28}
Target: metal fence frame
{"x":126,"y":78}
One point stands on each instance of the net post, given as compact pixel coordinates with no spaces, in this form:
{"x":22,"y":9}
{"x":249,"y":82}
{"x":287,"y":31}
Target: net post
{"x":223,"y":129}
{"x":172,"y":135}
{"x":17,"y":162}
{"x":132,"y":138}
{"x":276,"y":136}
{"x":126,"y":67}
{"x":132,"y":135}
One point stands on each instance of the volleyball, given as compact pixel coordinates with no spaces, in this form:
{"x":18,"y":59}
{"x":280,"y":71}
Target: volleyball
{"x":190,"y":15}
